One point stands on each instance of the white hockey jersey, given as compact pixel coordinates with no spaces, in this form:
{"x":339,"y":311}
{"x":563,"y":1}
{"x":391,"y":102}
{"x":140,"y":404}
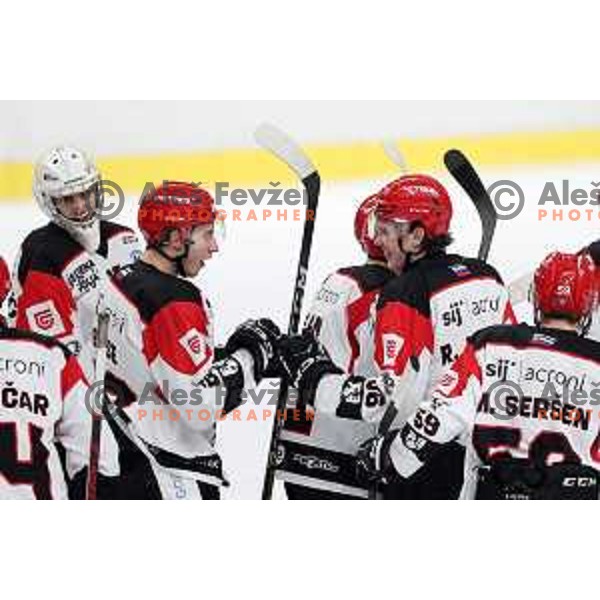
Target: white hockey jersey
{"x":166,"y":388}
{"x":42,"y":403}
{"x":425,"y":316}
{"x":56,"y":283}
{"x":320,"y":454}
{"x":524,"y":401}
{"x":342,"y":316}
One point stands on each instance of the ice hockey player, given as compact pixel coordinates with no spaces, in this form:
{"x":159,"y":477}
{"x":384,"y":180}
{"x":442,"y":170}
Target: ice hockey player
{"x":61,"y":266}
{"x":341,"y":318}
{"x":423,"y":320}
{"x":161,"y":364}
{"x":42,"y":406}
{"x":521,"y":397}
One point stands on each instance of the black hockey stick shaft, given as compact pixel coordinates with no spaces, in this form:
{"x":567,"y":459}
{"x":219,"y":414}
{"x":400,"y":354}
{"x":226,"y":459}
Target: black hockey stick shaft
{"x":465,"y":174}
{"x":312,"y":185}
{"x":283,"y":147}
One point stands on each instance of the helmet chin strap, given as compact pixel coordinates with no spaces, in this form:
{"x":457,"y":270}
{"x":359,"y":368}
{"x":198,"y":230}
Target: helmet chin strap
{"x":178,"y":260}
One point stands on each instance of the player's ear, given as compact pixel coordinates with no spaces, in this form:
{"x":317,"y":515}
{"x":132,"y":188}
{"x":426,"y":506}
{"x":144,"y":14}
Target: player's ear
{"x":414,"y":239}
{"x":175,"y":240}
{"x":417,"y":238}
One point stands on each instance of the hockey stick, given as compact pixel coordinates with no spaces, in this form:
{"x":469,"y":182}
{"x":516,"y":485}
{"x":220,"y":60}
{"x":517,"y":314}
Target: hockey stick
{"x":463,"y":171}
{"x":99,"y":374}
{"x":518,"y":290}
{"x":395,"y":155}
{"x":284,"y":148}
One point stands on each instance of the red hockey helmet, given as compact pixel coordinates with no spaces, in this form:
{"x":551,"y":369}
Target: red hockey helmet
{"x":362,"y":229}
{"x":4,"y":280}
{"x":174,"y":205}
{"x":417,"y":198}
{"x":565,"y":284}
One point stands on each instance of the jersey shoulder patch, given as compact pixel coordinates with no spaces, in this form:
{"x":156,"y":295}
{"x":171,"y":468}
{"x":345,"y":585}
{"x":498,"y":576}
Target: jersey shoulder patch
{"x":448,"y":270}
{"x":110,"y":230}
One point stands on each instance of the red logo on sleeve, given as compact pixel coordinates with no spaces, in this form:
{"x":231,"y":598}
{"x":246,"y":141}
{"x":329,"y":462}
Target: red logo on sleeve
{"x":194,"y":345}
{"x":45,"y":318}
{"x":392,"y":345}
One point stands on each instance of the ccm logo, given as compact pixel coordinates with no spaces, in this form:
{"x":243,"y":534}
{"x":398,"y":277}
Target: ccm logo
{"x":580,"y":482}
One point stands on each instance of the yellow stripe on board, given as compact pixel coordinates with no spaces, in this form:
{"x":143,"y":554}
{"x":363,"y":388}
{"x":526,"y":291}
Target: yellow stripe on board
{"x":336,"y":162}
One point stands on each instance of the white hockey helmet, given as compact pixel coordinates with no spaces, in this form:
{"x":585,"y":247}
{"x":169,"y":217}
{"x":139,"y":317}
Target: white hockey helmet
{"x":65,"y":171}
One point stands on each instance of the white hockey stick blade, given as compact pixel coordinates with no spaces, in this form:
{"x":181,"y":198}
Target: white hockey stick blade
{"x":392,"y":151}
{"x":279,"y":143}
{"x":518,"y":290}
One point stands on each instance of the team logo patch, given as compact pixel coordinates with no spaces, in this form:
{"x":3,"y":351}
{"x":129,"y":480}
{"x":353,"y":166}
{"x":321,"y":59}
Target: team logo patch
{"x":194,"y":344}
{"x":460,"y":270}
{"x":83,"y":277}
{"x":447,"y":382}
{"x":546,"y":340}
{"x":45,"y":318}
{"x":392,"y":345}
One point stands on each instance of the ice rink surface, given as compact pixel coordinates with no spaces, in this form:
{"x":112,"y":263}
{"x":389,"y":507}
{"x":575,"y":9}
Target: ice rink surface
{"x":255,"y":272}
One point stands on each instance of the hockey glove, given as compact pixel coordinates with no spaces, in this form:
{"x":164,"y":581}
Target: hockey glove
{"x":258,"y":337}
{"x":305,"y":362}
{"x":373,"y":463}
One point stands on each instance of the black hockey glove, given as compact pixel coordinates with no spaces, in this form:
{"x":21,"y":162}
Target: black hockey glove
{"x":305,"y":362}
{"x":373,"y":463}
{"x":259,"y":338}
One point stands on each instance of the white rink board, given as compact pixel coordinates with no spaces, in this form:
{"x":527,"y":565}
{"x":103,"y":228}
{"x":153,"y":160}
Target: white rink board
{"x":255,"y":273}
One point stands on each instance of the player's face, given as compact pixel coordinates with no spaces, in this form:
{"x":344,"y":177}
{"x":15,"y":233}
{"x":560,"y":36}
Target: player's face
{"x":77,"y":207}
{"x":388,"y":237}
{"x":203,"y":244}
